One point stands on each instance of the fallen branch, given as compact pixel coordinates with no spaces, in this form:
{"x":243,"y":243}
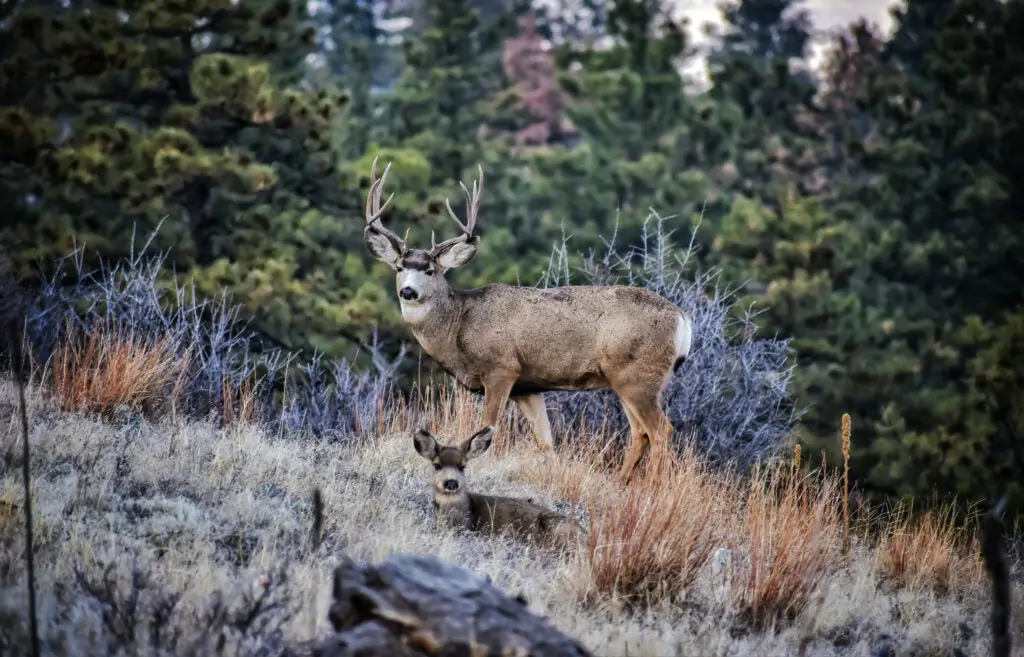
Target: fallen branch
{"x":417,"y":606}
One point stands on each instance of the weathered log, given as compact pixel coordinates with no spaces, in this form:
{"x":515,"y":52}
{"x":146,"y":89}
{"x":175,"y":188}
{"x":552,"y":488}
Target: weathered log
{"x":415,"y":606}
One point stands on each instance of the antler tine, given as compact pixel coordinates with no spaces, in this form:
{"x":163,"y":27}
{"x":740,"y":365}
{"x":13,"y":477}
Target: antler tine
{"x":374,"y":209}
{"x":472,"y":204}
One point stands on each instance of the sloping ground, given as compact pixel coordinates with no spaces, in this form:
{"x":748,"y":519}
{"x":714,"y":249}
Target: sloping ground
{"x":200,"y":510}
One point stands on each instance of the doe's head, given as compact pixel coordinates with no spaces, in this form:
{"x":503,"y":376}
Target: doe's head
{"x":450,"y":461}
{"x":420,"y":272}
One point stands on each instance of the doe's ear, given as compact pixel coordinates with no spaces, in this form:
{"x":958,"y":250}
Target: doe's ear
{"x":426,"y":445}
{"x":458,"y":253}
{"x":478,"y":443}
{"x":382,"y":248}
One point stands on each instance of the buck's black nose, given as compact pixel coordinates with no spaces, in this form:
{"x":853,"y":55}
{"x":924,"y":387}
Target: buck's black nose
{"x":451,"y":485}
{"x":408,"y":293}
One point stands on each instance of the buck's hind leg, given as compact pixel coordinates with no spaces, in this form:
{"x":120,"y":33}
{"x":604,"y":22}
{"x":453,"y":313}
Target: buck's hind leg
{"x":536,"y":412}
{"x":638,"y":442}
{"x":647,"y":420}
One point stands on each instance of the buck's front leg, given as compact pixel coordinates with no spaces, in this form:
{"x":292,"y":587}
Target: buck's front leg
{"x":496,"y":391}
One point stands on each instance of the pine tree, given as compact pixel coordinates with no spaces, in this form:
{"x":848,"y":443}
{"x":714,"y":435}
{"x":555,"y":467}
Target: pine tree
{"x":764,"y":98}
{"x":450,"y":69}
{"x":118,"y":116}
{"x":941,"y":202}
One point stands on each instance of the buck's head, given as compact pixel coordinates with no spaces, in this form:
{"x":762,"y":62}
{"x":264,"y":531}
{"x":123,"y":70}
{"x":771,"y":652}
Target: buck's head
{"x":419,"y":272}
{"x":450,"y":461}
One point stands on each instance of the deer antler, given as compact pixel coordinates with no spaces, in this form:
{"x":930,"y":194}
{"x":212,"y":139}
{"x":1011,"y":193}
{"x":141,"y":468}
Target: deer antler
{"x":472,"y":208}
{"x":374,"y":209}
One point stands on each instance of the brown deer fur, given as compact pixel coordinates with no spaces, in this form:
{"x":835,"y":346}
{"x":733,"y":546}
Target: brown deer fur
{"x":457,"y":506}
{"x":519,"y":342}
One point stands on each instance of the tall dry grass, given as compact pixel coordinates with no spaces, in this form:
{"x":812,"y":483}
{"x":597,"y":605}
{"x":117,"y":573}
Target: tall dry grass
{"x":789,"y":542}
{"x":777,"y":535}
{"x":649,"y":541}
{"x":104,"y":371}
{"x":929,"y":552}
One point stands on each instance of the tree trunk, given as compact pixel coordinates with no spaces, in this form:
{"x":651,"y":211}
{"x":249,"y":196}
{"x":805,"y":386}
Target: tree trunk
{"x":413,"y":606}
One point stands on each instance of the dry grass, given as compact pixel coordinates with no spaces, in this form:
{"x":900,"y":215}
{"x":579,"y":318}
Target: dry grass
{"x":933,"y":552}
{"x":650,"y":541}
{"x":791,"y":537}
{"x":106,"y":371}
{"x":203,"y":508}
{"x":238,"y":406}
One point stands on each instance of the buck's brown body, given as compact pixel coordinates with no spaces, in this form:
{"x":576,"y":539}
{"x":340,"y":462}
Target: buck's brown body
{"x":457,"y":506}
{"x":487,"y":342}
{"x":519,"y":342}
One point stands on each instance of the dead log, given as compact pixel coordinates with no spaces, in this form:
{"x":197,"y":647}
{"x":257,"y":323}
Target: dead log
{"x":415,"y":606}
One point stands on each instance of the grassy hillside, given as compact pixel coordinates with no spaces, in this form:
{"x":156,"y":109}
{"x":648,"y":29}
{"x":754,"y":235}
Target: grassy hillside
{"x":211,"y":515}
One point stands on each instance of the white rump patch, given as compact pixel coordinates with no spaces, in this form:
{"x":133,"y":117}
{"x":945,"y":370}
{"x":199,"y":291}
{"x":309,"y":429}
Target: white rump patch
{"x":683,"y":336}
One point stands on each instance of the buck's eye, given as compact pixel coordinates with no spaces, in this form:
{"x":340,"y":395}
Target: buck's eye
{"x":437,"y":466}
{"x":399,"y":269}
{"x":430,"y":272}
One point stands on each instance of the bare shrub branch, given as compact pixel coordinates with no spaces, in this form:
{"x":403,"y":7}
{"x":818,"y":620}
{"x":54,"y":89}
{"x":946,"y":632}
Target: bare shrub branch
{"x":138,"y":301}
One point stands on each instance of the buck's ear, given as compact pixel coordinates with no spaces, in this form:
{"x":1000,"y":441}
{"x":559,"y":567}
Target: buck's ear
{"x":426,"y":445}
{"x":478,"y":443}
{"x":382,"y":247}
{"x":459,"y":253}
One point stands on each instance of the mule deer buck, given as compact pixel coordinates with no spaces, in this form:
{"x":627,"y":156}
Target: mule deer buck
{"x":519,"y":342}
{"x":458,"y":507}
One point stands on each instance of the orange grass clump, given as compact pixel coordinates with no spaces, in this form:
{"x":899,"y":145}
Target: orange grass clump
{"x":930,"y":552}
{"x":103,"y":372}
{"x":788,"y":544}
{"x":650,"y":540}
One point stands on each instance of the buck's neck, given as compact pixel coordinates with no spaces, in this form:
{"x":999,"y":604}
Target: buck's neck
{"x":434,"y":317}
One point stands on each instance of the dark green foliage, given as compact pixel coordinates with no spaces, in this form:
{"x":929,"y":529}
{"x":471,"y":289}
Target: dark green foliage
{"x":897,"y":288}
{"x":449,"y":70}
{"x":180,"y":115}
{"x":945,"y":252}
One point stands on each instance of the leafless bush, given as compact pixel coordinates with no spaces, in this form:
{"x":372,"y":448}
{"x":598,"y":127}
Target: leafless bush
{"x":732,"y":395}
{"x":140,"y":297}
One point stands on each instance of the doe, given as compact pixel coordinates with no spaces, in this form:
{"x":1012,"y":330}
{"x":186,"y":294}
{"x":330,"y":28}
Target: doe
{"x":520,"y":342}
{"x":457,"y":506}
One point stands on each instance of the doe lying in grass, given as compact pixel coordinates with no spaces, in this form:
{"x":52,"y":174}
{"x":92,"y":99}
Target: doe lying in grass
{"x":457,"y":506}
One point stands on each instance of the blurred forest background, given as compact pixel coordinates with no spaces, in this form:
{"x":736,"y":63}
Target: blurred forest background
{"x":869,"y":206}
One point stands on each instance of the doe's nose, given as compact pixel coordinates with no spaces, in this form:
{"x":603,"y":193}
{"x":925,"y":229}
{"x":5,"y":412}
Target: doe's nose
{"x":451,"y":485}
{"x":408,"y":293}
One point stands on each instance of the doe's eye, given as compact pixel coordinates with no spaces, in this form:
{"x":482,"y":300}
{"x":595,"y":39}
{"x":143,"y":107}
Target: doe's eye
{"x":430,"y":272}
{"x":437,"y":466}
